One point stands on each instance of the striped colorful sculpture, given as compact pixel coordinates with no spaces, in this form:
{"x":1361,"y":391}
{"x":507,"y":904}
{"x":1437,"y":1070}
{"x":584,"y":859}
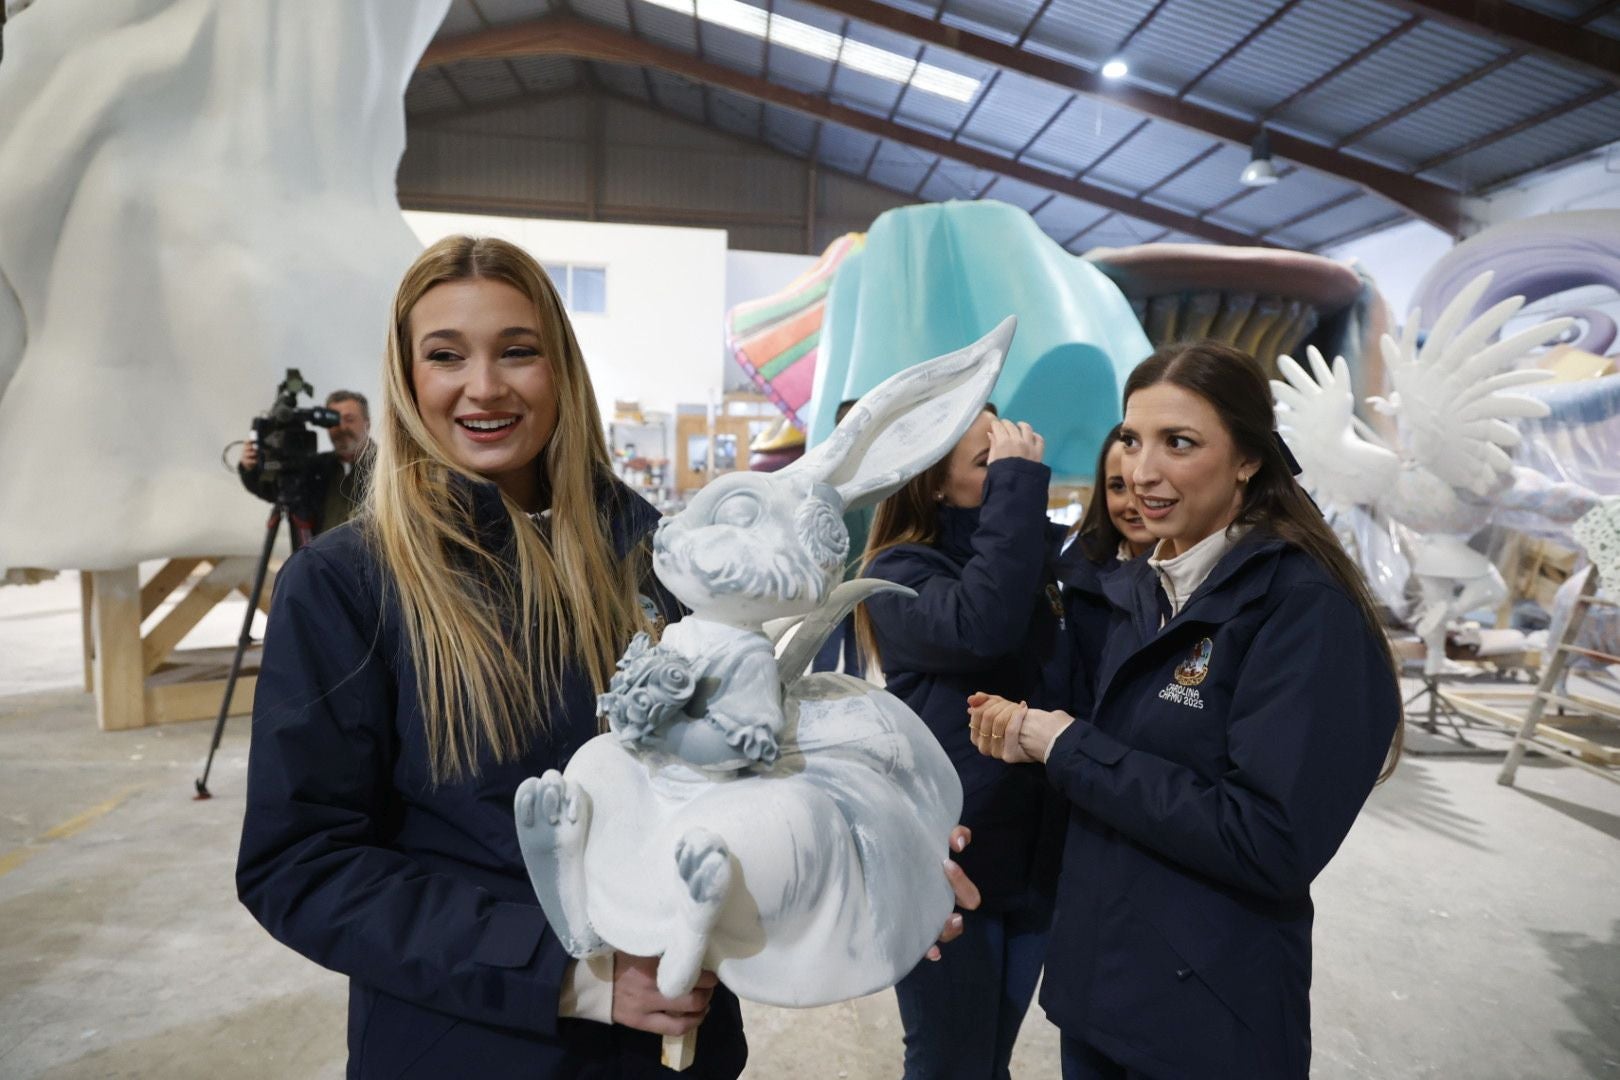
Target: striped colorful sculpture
{"x":777,"y":338}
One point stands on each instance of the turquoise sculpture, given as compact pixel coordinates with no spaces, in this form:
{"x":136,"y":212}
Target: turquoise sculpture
{"x":936,"y":275}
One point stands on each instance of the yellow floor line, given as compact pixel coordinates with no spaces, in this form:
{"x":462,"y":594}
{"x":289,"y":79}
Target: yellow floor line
{"x":73,"y":825}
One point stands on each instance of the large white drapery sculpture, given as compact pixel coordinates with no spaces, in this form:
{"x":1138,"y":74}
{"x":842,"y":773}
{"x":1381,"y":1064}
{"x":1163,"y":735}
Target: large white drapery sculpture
{"x":194,"y":196}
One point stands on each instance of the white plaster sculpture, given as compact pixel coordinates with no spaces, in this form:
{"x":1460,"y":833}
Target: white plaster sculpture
{"x":1451,"y":468}
{"x":782,"y":830}
{"x":194,"y":196}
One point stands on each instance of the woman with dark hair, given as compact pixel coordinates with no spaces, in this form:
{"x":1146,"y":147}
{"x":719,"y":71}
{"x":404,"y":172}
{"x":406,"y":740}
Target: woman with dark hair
{"x":971,"y":536}
{"x":1246,"y":705}
{"x":1111,"y":530}
{"x":1109,"y":533}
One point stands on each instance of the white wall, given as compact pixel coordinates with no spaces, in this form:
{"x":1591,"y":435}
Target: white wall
{"x":1593,"y":183}
{"x":661,"y":340}
{"x":751,"y":275}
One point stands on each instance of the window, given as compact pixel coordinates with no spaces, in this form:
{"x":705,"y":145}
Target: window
{"x":583,"y":288}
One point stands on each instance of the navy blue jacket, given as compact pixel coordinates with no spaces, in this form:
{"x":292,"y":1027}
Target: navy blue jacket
{"x":983,"y":619}
{"x":419,"y":894}
{"x":1226,"y":757}
{"x":1089,"y":616}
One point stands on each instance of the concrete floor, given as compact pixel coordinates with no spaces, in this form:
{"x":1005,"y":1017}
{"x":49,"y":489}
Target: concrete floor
{"x":1465,"y":930}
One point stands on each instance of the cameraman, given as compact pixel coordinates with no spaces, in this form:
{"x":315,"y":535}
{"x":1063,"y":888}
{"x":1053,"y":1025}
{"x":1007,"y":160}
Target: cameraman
{"x":338,"y":477}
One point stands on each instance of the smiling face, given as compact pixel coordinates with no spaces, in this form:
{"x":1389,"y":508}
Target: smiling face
{"x":483,"y":386}
{"x":968,"y":467}
{"x":1182,"y":465}
{"x":1122,"y":508}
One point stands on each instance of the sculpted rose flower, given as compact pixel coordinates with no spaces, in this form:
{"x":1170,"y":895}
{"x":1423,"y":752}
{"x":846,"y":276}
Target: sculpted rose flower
{"x":672,"y":681}
{"x":822,"y":533}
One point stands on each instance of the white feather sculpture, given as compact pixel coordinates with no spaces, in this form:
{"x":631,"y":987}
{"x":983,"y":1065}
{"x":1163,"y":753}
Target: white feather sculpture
{"x":1452,"y":403}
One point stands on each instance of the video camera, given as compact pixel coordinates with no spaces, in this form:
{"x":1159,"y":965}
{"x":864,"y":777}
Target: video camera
{"x":287,"y":446}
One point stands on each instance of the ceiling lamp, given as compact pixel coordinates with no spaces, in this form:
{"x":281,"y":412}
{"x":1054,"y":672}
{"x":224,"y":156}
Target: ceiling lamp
{"x":1259,"y":172}
{"x":1115,"y":68}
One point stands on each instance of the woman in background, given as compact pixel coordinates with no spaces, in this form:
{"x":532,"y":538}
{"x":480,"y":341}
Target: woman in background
{"x":971,"y":536}
{"x":1246,"y":704}
{"x":1108,"y":534}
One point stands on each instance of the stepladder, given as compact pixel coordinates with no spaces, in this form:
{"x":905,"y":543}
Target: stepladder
{"x":1600,"y":758}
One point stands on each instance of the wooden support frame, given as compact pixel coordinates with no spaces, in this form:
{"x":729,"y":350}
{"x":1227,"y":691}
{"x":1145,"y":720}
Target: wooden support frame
{"x":144,"y":679}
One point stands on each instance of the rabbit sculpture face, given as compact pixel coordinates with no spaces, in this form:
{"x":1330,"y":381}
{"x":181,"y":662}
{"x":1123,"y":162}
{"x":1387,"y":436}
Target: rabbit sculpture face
{"x":752,"y":547}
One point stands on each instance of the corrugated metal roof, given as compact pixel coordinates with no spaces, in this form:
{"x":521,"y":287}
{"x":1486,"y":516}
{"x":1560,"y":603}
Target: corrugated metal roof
{"x":1402,"y":72}
{"x":953,"y":180}
{"x":789,"y":129}
{"x":1150,"y":157}
{"x":844,"y":149}
{"x":1298,"y":48}
{"x":1003,"y":20}
{"x":460,"y":19}
{"x":934,"y":112}
{"x":664,"y":26}
{"x":497,"y":12}
{"x":899,"y":167}
{"x":1115,"y":230}
{"x":1105,"y":143}
{"x":736,"y":115}
{"x":1522,"y":89}
{"x":1186,"y":38}
{"x":1269,"y":207}
{"x":621,"y":79}
{"x":429,"y":93}
{"x":1357,"y":214}
{"x":610,"y":12}
{"x":1211,"y":181}
{"x":1087,"y":129}
{"x":1022,"y":195}
{"x":1561,"y":9}
{"x":483,"y":81}
{"x":1086,"y":32}
{"x":545,"y":74}
{"x":1012,"y":111}
{"x":678,"y":96}
{"x":1063,"y":217}
{"x":739,"y":51}
{"x":1577,"y":131}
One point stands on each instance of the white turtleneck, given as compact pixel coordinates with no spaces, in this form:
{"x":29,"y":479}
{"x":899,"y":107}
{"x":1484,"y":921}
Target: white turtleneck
{"x":1181,"y":575}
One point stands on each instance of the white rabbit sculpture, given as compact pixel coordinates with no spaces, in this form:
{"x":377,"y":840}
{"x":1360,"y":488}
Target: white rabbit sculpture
{"x":785,"y":832}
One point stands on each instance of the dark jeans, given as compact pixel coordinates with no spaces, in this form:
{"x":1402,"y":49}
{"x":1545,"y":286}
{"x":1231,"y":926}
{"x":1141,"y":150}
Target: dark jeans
{"x":1082,"y":1061}
{"x":961,"y":1014}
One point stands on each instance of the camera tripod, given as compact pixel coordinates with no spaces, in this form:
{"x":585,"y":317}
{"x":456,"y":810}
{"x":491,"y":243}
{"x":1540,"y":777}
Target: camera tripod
{"x":300,"y":530}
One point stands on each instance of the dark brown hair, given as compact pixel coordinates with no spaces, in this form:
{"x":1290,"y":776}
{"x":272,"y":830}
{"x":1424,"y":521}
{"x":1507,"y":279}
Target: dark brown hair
{"x":1099,"y":538}
{"x":909,"y":516}
{"x":1236,"y":388}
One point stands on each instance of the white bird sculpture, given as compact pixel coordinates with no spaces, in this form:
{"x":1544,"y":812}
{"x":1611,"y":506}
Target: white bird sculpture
{"x":1453,"y":410}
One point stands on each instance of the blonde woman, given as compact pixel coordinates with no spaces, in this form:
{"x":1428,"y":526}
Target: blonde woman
{"x":422,"y":661}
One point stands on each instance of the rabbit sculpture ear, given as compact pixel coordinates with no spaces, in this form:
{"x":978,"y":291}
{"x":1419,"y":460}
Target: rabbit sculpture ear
{"x":908,"y":422}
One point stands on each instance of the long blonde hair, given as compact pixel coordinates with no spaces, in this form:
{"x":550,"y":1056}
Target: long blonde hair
{"x":490,"y":632}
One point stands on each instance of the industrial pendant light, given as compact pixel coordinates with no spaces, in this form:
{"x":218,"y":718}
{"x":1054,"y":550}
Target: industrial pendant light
{"x":1260,"y":171}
